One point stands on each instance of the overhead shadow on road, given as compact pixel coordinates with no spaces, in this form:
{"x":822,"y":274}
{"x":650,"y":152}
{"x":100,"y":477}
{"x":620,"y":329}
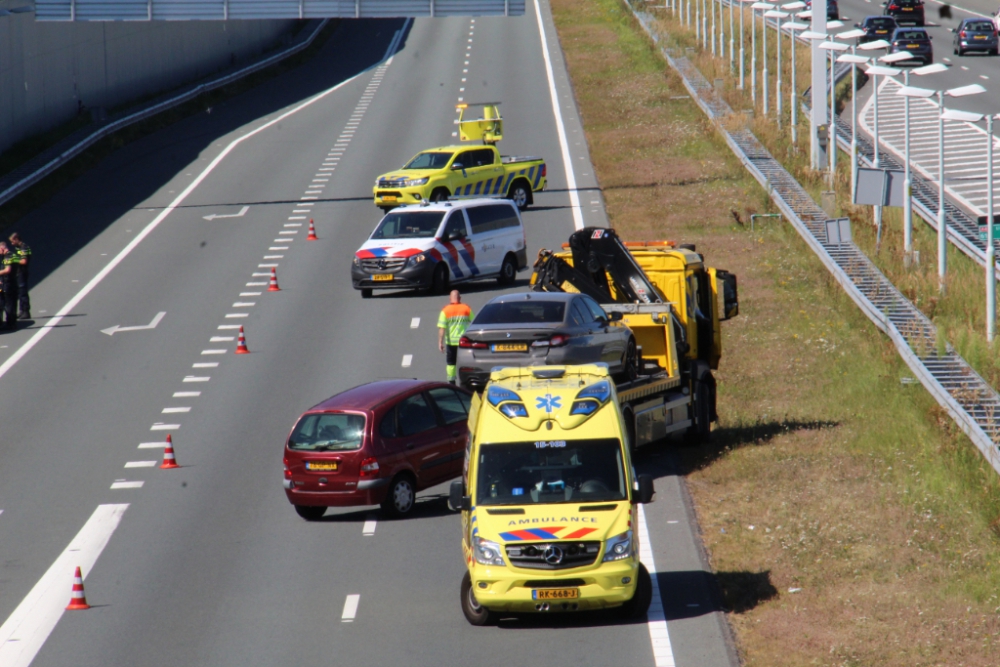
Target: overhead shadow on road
{"x":120,"y":183}
{"x":475,"y":287}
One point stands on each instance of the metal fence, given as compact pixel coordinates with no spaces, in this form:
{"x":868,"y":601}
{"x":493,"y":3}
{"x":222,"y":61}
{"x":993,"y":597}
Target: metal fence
{"x":225,"y":10}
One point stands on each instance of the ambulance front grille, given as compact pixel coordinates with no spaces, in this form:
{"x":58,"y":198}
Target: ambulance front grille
{"x":563,"y":555}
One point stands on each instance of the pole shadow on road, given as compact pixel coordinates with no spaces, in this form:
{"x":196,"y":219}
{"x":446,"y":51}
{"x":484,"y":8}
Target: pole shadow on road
{"x":121,"y":182}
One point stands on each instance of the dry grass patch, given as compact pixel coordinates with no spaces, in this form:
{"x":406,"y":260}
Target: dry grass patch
{"x":854,"y":524}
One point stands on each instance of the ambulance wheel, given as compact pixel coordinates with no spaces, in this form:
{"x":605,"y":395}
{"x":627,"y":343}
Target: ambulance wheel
{"x":475,"y":613}
{"x":508,"y":270}
{"x":441,"y":281}
{"x":520,"y":194}
{"x":310,"y":512}
{"x":366,"y":292}
{"x":439,"y":195}
{"x":639,"y":604}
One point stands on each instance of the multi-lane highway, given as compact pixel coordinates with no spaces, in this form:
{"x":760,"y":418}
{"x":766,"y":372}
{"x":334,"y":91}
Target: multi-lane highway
{"x":208,"y":564}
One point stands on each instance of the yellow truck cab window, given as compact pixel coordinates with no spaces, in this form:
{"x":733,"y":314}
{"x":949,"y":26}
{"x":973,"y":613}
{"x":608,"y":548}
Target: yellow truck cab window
{"x":551,"y":471}
{"x":430,"y":160}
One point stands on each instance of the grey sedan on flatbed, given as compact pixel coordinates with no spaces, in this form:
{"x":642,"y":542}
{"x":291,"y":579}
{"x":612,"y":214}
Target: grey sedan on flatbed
{"x":535,"y":329}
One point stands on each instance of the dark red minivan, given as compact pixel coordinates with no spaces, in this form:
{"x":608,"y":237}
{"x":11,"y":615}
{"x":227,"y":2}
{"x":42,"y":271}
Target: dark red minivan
{"x":376,"y":444}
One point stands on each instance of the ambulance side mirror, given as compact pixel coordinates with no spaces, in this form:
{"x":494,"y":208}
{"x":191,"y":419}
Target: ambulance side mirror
{"x":646,"y":490}
{"x":457,"y":499}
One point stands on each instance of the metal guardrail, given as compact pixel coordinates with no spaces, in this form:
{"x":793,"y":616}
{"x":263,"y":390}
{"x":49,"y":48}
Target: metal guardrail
{"x":48,"y":161}
{"x":969,"y":400}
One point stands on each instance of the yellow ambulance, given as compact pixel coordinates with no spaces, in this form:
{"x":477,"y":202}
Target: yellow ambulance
{"x":549,"y":497}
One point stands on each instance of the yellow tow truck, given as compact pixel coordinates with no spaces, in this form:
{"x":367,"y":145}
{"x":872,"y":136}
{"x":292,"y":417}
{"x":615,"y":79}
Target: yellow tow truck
{"x":464,"y":171}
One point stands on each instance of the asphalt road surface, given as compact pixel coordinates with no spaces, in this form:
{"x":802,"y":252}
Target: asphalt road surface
{"x":208,"y":564}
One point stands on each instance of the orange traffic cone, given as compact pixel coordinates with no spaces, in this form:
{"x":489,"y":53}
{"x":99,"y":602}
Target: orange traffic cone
{"x":273,"y":287}
{"x":312,"y":232}
{"x":241,"y":344}
{"x":169,"y":460}
{"x":78,"y":599}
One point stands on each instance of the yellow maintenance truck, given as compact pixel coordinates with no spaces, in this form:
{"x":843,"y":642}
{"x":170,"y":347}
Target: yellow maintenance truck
{"x":464,"y":171}
{"x":549,"y":498}
{"x":673,"y":304}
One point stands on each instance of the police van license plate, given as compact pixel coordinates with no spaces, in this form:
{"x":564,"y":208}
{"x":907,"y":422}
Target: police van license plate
{"x":382,"y":277}
{"x":556,"y":594}
{"x":326,"y":466}
{"x":510,"y":347}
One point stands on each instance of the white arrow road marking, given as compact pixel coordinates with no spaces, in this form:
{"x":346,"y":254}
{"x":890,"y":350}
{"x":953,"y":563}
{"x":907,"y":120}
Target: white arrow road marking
{"x":216,"y":216}
{"x":26,"y":629}
{"x":152,"y":325}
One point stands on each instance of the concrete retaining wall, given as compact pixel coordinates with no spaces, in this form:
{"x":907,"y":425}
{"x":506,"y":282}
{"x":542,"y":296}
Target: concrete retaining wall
{"x":47,"y":70}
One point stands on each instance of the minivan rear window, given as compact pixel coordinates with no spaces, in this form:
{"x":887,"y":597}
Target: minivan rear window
{"x":979,"y":26}
{"x":491,"y":217}
{"x":328,"y":432}
{"x":521,"y":312}
{"x":409,"y":225}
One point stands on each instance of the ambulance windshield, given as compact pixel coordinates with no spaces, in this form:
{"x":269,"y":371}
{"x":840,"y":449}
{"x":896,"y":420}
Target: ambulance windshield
{"x":551,"y":471}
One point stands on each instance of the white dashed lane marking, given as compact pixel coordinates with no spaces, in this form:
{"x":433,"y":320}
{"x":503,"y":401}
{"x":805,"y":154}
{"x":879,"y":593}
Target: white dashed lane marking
{"x":223,"y":327}
{"x":187,"y":394}
{"x":415,"y":322}
{"x":122,"y":484}
{"x":407,"y":360}
{"x":237,"y":315}
{"x":193,"y":378}
{"x":152,"y":445}
{"x":140,"y":464}
{"x":164,"y":427}
{"x":369,"y":527}
{"x":206,"y":364}
{"x":350,"y":608}
{"x":207,"y":352}
{"x":168,"y":411}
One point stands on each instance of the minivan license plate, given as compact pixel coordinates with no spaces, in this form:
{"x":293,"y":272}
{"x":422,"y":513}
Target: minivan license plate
{"x":329,"y":466}
{"x":556,"y":594}
{"x":510,"y":347}
{"x":382,"y":277}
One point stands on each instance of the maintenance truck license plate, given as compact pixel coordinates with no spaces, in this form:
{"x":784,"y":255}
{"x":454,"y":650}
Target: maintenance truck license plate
{"x":382,"y":277}
{"x":324,"y":467}
{"x":510,"y":347}
{"x":556,"y":594}
{"x":389,"y":198}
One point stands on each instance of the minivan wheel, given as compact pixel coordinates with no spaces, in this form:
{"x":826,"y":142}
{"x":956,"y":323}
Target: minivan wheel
{"x":639,"y":604}
{"x":399,"y":500}
{"x":508,"y":270}
{"x":520,"y":194}
{"x":310,"y":512}
{"x":366,"y":292}
{"x":475,"y":613}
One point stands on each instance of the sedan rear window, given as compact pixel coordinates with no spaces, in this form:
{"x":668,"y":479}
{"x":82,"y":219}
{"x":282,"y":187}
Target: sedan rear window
{"x":409,"y":225}
{"x":522,"y":312}
{"x":979,"y":26}
{"x":328,"y":432}
{"x":429,"y":161}
{"x":881,"y":23}
{"x":911,"y":34}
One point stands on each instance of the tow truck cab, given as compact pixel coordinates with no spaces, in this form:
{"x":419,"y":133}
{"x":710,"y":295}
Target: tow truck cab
{"x":549,"y":498}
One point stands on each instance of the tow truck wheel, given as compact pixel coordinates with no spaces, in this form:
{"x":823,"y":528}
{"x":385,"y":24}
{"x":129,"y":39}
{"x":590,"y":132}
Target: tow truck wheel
{"x":631,"y":370}
{"x":520,"y":194}
{"x":639,"y":604}
{"x":475,"y":613}
{"x":309,"y":512}
{"x":702,"y":429}
{"x":399,"y":500}
{"x":508,"y":270}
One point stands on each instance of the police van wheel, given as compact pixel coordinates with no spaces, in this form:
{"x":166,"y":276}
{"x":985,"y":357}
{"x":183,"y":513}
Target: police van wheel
{"x":440,"y":282}
{"x":639,"y":604}
{"x":475,"y":613}
{"x":508,"y":270}
{"x":366,"y":292}
{"x":520,"y":194}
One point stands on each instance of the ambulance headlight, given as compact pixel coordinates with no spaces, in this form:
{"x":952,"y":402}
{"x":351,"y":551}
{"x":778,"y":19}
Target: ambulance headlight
{"x":486,"y":552}
{"x":619,"y":547}
{"x":414,"y":182}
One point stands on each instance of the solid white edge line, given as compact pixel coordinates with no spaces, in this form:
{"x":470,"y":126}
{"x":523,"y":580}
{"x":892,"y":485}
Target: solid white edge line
{"x":110,"y":266}
{"x":574,"y":197}
{"x":31,"y":623}
{"x":656,"y":620}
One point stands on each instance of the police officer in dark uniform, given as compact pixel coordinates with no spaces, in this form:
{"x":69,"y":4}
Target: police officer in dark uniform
{"x":23,"y":252}
{"x":9,"y":264}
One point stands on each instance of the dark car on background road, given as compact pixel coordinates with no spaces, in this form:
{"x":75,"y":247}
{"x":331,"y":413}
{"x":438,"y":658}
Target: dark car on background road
{"x":975,"y":35}
{"x":376,"y":444}
{"x":915,"y":41}
{"x":876,"y":28}
{"x":905,"y":11}
{"x":536,"y":329}
{"x":832,"y":11}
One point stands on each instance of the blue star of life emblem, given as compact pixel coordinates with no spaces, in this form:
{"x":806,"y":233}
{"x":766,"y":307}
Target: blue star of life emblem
{"x":549,"y":402}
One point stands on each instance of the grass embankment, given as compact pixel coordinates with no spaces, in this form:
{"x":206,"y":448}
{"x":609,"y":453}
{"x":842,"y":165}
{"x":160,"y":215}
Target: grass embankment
{"x":961,"y":315}
{"x":45,"y":189}
{"x":826,"y":476}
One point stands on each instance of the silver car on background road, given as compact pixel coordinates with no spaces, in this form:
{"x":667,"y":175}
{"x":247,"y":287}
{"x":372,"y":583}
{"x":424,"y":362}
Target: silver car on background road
{"x":536,"y":329}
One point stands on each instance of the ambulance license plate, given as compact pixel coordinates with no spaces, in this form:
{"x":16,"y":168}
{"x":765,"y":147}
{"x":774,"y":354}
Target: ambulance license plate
{"x":326,"y":466}
{"x":382,"y":277}
{"x":556,"y":594}
{"x":510,"y":347}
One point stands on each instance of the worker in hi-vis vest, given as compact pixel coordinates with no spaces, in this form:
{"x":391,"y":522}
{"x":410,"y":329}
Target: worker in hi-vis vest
{"x":454,"y":319}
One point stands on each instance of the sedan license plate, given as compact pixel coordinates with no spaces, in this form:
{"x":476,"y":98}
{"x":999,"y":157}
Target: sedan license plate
{"x":382,"y":277}
{"x":907,"y":9}
{"x":979,"y":37}
{"x":326,"y":466}
{"x":389,"y":198}
{"x":556,"y":594}
{"x":510,"y":347}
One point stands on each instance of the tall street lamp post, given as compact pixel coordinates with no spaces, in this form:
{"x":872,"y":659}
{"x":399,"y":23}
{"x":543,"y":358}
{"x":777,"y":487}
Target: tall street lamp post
{"x":764,"y":7}
{"x":855,"y":60}
{"x":743,"y":39}
{"x":792,"y":27}
{"x":832,"y":47}
{"x":776,"y":14}
{"x":874,"y":72}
